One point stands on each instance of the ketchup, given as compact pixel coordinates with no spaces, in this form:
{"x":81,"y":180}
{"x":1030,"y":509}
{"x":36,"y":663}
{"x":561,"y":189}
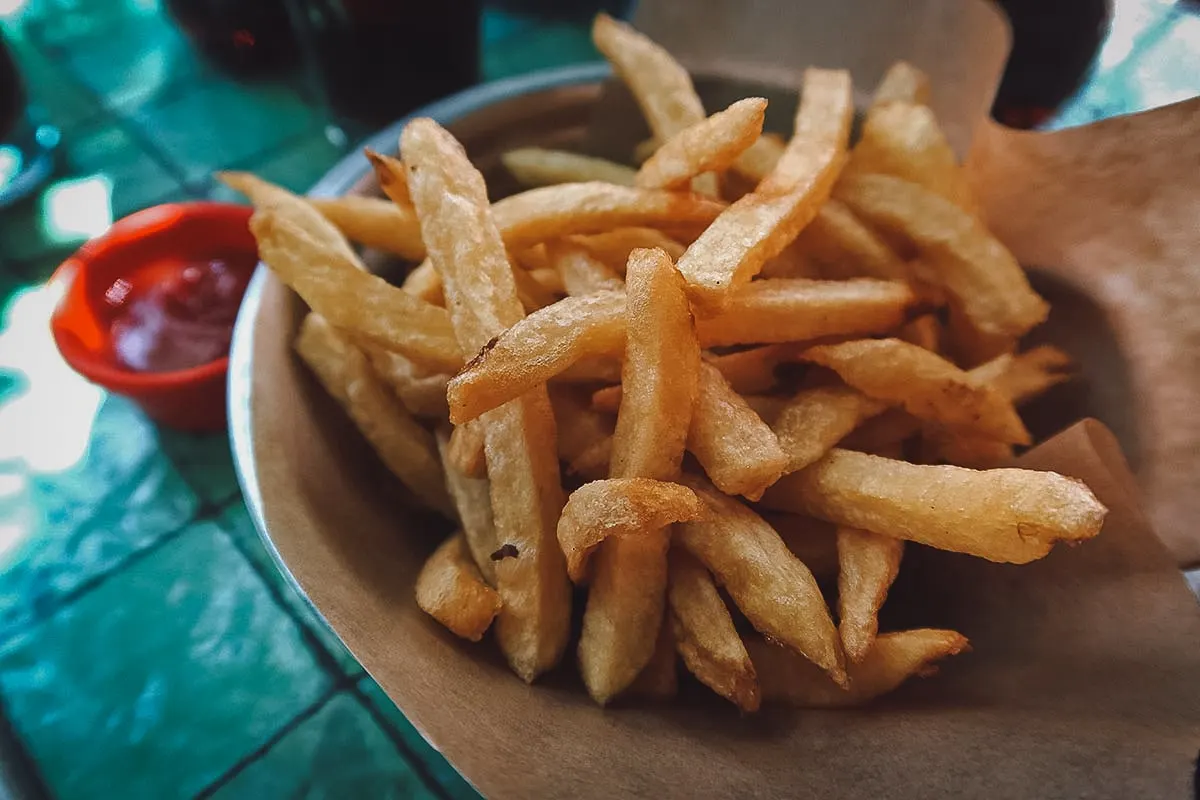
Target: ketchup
{"x":172,"y":316}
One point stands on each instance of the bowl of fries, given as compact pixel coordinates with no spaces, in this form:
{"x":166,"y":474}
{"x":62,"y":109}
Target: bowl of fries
{"x":640,"y":449}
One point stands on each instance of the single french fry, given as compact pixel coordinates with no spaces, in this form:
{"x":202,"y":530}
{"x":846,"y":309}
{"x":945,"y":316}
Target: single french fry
{"x":464,"y":244}
{"x":868,"y":563}
{"x":756,"y":161}
{"x":613,"y":247}
{"x":1005,"y":515}
{"x":581,"y":272}
{"x":847,"y":248}
{"x":704,"y":633}
{"x":902,"y":83}
{"x":659,"y":679}
{"x":405,"y":448}
{"x":759,"y":225}
{"x":608,"y":399}
{"x":738,"y":451}
{"x":795,"y":310}
{"x":775,"y":591}
{"x":306,"y":255}
{"x":467,"y":448}
{"x":472,"y":500}
{"x":397,"y":187}
{"x":816,"y":418}
{"x":374,"y":222}
{"x":1024,"y":376}
{"x":423,"y":393}
{"x":535,"y":166}
{"x":424,"y":282}
{"x":710,"y":145}
{"x":662,"y":358}
{"x":451,"y":590}
{"x":548,"y":342}
{"x":812,"y":540}
{"x":895,"y":658}
{"x":924,"y":384}
{"x":978,"y":272}
{"x":534,"y":350}
{"x":660,"y":85}
{"x":603,"y":509}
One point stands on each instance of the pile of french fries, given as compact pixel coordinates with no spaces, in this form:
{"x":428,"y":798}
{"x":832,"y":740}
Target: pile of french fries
{"x":700,"y":388}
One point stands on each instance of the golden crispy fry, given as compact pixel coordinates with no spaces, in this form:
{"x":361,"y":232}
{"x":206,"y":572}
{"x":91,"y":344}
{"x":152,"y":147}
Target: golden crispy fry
{"x":895,"y":658}
{"x":592,"y":369}
{"x":423,"y":393}
{"x":752,"y":371}
{"x":580,"y":271}
{"x":644,"y":149}
{"x":775,"y":591}
{"x":868,"y":563}
{"x":472,"y":501}
{"x":757,"y":161}
{"x":1005,"y":515}
{"x":902,"y":83}
{"x":451,"y":590}
{"x":374,"y":222}
{"x":812,"y":540}
{"x":759,"y":225}
{"x":307,"y":255}
{"x":614,"y":247}
{"x":534,"y":166}
{"x":883,"y":433}
{"x":424,"y":282}
{"x":737,"y":449}
{"x":466,"y":249}
{"x":846,"y":248}
{"x":616,"y":507}
{"x":924,"y":331}
{"x":391,"y":168}
{"x":925,"y":384}
{"x":659,"y":680}
{"x":977,"y":271}
{"x":1027,"y":375}
{"x":580,"y":428}
{"x":403,"y":446}
{"x":710,"y":145}
{"x":660,"y":85}
{"x":662,"y":358}
{"x":532,"y":351}
{"x":704,"y":633}
{"x":467,"y":449}
{"x":815,"y":419}
{"x":795,"y":310}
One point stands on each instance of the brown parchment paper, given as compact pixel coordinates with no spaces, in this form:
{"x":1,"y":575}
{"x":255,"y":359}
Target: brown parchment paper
{"x":1085,"y":674}
{"x":1106,"y":215}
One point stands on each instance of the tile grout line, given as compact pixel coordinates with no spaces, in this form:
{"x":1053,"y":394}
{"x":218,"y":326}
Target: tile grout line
{"x":415,"y":761}
{"x":254,"y":755}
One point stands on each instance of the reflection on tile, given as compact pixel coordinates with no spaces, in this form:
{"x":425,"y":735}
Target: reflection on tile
{"x":447,"y":777}
{"x":296,"y":167}
{"x":551,"y":45}
{"x":68,"y":527}
{"x":162,"y":678}
{"x":236,"y":521}
{"x":204,"y":461}
{"x":339,"y":752}
{"x":225,"y":123}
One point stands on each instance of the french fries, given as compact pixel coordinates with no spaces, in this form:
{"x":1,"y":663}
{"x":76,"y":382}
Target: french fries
{"x":1006,"y":515}
{"x":744,"y":334}
{"x":895,"y":658}
{"x":775,"y":591}
{"x":662,"y":361}
{"x":533,"y":166}
{"x":465,"y":247}
{"x":450,"y":589}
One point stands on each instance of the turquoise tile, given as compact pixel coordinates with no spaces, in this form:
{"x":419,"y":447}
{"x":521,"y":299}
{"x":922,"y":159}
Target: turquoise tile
{"x":297,"y":166}
{"x":551,"y":45}
{"x":136,"y":178}
{"x":139,"y":59}
{"x":496,"y":24}
{"x":162,"y":678}
{"x":61,"y":102}
{"x":204,"y":461}
{"x":63,"y":526}
{"x":225,"y":123}
{"x":438,"y":767}
{"x":340,"y":752}
{"x":235,"y":520}
{"x":64,"y":21}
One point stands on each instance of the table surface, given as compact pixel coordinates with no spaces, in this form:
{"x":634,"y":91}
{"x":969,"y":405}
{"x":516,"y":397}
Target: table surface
{"x":148,"y":646}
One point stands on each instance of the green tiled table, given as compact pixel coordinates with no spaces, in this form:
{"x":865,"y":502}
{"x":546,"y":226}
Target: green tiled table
{"x":148,"y":646}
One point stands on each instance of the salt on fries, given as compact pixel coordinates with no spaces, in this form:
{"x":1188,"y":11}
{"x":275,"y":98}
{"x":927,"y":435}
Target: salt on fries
{"x":846,"y":308}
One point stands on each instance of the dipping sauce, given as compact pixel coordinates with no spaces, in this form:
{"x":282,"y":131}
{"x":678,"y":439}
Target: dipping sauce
{"x":171,"y":316}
